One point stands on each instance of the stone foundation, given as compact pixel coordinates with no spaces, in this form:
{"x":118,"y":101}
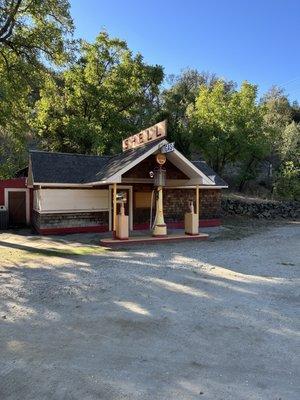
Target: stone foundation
{"x":70,"y":222}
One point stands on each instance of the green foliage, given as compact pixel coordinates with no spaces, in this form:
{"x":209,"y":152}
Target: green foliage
{"x":178,"y":97}
{"x":87,"y":98}
{"x":34,"y":31}
{"x":15,"y":106}
{"x":287,"y":184}
{"x":106,"y":95}
{"x":290,"y":142}
{"x":283,"y":139}
{"x":277,"y":116}
{"x":227,"y":124}
{"x":31,"y":33}
{"x":14,"y":154}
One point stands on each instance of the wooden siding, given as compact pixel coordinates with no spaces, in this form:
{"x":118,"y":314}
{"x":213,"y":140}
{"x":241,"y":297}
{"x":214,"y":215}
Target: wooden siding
{"x":69,"y":200}
{"x":142,"y":199}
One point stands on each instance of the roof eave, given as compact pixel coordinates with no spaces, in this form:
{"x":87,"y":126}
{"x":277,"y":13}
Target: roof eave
{"x":61,"y":184}
{"x":117,"y":177}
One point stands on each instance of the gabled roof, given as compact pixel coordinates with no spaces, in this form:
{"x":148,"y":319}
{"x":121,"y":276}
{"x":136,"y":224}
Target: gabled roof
{"x":68,"y":168}
{"x":202,"y":166}
{"x":117,"y":163}
{"x":48,"y":167}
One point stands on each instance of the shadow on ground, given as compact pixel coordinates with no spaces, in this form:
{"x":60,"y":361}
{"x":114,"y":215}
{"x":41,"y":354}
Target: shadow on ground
{"x":214,"y":320}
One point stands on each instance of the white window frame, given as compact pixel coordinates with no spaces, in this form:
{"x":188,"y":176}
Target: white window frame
{"x":130,"y":205}
{"x":6,"y":200}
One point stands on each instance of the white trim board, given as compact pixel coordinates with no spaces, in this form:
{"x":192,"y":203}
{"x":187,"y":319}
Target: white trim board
{"x":194,"y":187}
{"x":197,"y":171}
{"x":45,"y":185}
{"x":70,"y":211}
{"x":174,"y":157}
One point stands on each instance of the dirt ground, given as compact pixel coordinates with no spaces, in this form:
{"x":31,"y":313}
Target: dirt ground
{"x":215,"y":320}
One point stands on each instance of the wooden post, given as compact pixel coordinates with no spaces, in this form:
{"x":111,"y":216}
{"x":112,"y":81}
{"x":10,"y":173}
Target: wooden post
{"x":114,"y":207}
{"x":197,"y":200}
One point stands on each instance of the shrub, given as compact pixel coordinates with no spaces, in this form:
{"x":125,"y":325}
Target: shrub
{"x":287,"y":184}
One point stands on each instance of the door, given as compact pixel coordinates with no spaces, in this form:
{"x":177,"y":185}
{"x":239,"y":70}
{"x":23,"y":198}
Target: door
{"x":17,"y":208}
{"x":126,"y":195}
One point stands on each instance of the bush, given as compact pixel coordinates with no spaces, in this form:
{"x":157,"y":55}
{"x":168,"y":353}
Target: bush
{"x":287,"y":184}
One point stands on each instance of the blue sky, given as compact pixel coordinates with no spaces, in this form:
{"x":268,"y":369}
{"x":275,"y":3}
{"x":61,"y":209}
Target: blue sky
{"x":240,"y":40}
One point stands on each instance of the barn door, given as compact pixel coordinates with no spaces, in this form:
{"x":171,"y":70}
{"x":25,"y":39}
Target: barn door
{"x":17,"y":208}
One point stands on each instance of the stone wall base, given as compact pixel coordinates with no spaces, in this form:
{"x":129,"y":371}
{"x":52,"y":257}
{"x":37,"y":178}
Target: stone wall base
{"x":61,"y":223}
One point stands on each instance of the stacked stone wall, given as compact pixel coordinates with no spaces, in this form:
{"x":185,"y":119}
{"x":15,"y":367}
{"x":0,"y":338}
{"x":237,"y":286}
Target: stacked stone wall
{"x":70,"y":220}
{"x":263,"y":209}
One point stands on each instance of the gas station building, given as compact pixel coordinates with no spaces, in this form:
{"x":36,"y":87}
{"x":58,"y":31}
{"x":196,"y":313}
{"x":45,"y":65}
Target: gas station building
{"x":150,"y":183}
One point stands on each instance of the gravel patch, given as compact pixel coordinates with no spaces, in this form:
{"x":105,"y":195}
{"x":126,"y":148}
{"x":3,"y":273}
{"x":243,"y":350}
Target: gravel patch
{"x":215,"y":320}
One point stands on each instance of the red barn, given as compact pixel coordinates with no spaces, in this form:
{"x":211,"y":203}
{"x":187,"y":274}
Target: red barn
{"x":15,"y":197}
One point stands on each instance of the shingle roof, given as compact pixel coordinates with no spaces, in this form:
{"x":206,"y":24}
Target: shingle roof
{"x":50,"y":167}
{"x":65,"y":168}
{"x":203,"y":167}
{"x":122,"y":160}
{"x":71,"y":168}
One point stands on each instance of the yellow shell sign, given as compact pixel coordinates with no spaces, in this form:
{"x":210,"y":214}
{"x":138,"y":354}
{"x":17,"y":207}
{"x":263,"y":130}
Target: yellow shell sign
{"x":157,"y":131}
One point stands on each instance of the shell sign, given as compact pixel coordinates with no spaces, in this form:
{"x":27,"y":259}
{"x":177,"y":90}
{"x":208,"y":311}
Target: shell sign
{"x":157,"y":131}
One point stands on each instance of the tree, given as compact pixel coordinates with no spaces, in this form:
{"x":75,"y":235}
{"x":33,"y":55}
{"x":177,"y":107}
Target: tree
{"x":287,"y":183}
{"x":16,"y":101}
{"x":282,"y":133}
{"x":34,"y":36}
{"x":104,"y":96}
{"x":227,"y":125}
{"x":34,"y":30}
{"x":176,"y":99}
{"x":277,"y":115}
{"x":289,"y":149}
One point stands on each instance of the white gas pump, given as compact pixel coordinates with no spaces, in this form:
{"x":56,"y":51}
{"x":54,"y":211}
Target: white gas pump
{"x":159,"y":227}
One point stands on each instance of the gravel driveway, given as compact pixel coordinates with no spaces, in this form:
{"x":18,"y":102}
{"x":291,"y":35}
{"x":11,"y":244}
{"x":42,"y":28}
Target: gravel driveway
{"x":214,"y":320}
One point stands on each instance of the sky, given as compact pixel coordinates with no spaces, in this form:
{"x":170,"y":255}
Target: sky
{"x":239,"y":40}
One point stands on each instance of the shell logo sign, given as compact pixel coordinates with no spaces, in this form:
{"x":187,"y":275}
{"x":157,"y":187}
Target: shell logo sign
{"x":157,"y":131}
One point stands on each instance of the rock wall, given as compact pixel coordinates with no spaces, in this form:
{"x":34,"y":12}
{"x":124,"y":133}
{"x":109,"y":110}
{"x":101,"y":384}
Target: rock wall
{"x":254,"y":208}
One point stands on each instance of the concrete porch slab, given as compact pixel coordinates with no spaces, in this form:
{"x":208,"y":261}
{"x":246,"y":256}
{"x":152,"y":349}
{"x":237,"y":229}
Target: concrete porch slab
{"x":147,"y":239}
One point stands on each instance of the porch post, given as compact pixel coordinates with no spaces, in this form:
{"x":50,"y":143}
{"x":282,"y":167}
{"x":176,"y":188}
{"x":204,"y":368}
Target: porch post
{"x":197,"y":201}
{"x":114,"y":208}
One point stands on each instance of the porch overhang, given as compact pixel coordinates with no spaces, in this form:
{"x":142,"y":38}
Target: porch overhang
{"x":91,"y":171}
{"x":196,"y":177}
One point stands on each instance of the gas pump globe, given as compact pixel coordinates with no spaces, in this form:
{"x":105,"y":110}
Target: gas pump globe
{"x":121,"y":198}
{"x":159,"y":226}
